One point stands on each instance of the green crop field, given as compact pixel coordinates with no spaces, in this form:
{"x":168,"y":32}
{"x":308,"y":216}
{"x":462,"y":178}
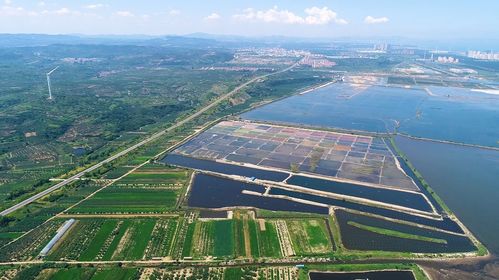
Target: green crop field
{"x":114,"y":239}
{"x":98,"y":245}
{"x":213,"y":238}
{"x":268,"y":241}
{"x":223,"y":238}
{"x":117,"y":172}
{"x":88,"y":273}
{"x":128,"y":200}
{"x":134,"y":242}
{"x":309,"y":236}
{"x":162,"y":238}
{"x":73,"y":273}
{"x":30,"y":245}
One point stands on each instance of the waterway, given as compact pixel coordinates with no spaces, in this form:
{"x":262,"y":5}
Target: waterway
{"x":442,"y":113}
{"x":466,"y":178}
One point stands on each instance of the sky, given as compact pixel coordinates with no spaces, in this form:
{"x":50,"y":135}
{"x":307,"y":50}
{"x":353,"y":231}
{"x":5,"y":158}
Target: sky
{"x":429,"y":19}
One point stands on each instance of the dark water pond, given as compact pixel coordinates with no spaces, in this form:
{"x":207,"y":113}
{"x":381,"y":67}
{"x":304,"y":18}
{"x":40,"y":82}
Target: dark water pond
{"x":405,"y":199}
{"x":371,"y":275}
{"x":446,"y":223}
{"x":360,"y":239}
{"x":209,"y":191}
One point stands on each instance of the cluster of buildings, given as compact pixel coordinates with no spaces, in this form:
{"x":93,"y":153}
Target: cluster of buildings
{"x":237,"y":68}
{"x":276,"y":52}
{"x":317,"y":62}
{"x":484,"y":55}
{"x":447,"y":59}
{"x":79,"y":60}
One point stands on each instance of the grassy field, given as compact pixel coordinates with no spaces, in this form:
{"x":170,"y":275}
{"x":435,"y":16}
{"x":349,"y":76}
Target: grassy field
{"x":81,"y":273}
{"x":128,"y":200}
{"x":156,"y":178}
{"x":211,"y":238}
{"x":29,"y":246}
{"x":114,"y":239}
{"x":268,"y":242}
{"x":309,"y":237}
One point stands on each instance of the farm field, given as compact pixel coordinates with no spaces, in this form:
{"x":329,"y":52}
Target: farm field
{"x":115,"y":239}
{"x":223,"y":273}
{"x":309,"y":237}
{"x":156,"y":176}
{"x":29,"y":246}
{"x":246,"y":237}
{"x":212,"y":238}
{"x":153,"y":188}
{"x":85,"y":273}
{"x":115,"y":199}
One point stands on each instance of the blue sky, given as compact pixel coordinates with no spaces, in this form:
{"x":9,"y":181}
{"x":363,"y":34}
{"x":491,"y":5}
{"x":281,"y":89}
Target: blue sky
{"x":441,"y":19}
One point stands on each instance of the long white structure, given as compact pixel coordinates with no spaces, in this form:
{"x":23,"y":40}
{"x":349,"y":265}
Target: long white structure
{"x":48,"y":81}
{"x":62,"y":230}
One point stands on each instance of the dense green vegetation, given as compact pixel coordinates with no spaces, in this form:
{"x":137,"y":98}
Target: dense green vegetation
{"x":309,"y":237}
{"x":102,"y":96}
{"x":128,"y":200}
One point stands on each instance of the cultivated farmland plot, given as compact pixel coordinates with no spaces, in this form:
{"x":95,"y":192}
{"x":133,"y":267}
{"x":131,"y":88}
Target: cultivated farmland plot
{"x":212,"y":238}
{"x":151,"y":189}
{"x":113,"y":239}
{"x":309,"y":236}
{"x":222,"y":273}
{"x":115,"y":199}
{"x":29,"y":246}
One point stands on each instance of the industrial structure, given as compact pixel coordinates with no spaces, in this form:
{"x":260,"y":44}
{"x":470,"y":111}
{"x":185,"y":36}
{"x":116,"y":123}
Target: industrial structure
{"x":62,"y":230}
{"x":48,"y":81}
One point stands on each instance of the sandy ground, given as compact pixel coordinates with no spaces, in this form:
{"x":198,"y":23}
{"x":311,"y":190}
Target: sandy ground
{"x":488,"y":91}
{"x":460,"y":269}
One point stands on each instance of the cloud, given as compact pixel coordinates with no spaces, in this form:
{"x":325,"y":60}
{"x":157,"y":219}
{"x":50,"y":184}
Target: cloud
{"x":313,"y":16}
{"x":322,"y":15}
{"x":373,"y":20}
{"x":62,"y":11}
{"x":174,"y":12}
{"x":13,"y":11}
{"x":212,"y":16}
{"x":7,"y":2}
{"x":270,"y":15}
{"x":94,"y":6}
{"x":124,"y":14}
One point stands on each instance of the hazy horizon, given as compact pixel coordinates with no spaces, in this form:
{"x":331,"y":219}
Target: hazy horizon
{"x":428,"y":20}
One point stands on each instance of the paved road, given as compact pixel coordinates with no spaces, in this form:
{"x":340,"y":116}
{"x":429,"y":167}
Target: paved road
{"x":143,"y":142}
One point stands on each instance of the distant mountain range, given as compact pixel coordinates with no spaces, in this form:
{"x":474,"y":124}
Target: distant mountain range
{"x":213,"y":40}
